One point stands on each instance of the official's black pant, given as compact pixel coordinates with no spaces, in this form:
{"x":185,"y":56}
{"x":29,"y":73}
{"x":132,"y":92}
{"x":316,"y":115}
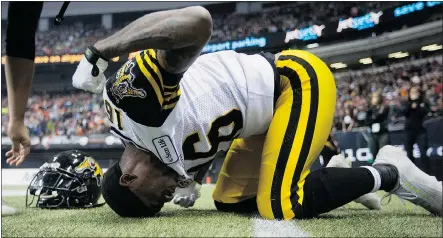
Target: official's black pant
{"x":377,"y":141}
{"x":419,"y":137}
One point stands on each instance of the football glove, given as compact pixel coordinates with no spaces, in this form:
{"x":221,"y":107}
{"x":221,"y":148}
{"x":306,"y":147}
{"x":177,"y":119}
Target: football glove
{"x":186,"y":197}
{"x":89,"y":73}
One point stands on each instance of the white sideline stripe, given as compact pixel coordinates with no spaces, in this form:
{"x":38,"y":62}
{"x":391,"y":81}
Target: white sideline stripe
{"x":272,"y":228}
{"x":13,"y":193}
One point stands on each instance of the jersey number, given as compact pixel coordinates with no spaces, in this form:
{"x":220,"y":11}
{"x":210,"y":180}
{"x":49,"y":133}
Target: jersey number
{"x":233,"y":118}
{"x":110,"y":111}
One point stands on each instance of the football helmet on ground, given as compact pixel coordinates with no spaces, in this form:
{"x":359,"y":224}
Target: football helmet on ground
{"x":71,"y":179}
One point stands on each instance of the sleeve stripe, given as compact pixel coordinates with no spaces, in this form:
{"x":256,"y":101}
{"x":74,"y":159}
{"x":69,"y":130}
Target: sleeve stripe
{"x":152,"y":53}
{"x":171,"y":101}
{"x":153,"y":67}
{"x":147,"y":61}
{"x":169,"y":106}
{"x":166,"y":87}
{"x":149,"y":77}
{"x":174,"y":95}
{"x":168,"y":80}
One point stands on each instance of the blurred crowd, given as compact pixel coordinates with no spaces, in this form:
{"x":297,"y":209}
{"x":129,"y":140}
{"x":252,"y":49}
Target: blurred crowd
{"x":70,"y":39}
{"x":73,"y":114}
{"x":84,"y":113}
{"x":393,"y":82}
{"x":279,"y":17}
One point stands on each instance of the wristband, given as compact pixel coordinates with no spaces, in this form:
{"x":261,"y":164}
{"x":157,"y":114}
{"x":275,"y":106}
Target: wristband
{"x":93,"y":55}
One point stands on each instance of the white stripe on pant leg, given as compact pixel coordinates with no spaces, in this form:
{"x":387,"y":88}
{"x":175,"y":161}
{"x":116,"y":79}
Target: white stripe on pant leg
{"x":377,"y":178}
{"x":273,"y":228}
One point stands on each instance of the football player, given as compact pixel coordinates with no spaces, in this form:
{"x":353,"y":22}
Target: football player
{"x":175,"y":110}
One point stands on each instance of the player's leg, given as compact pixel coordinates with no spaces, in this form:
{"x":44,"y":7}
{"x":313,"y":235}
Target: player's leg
{"x":299,"y":130}
{"x":237,"y":183}
{"x":370,"y":200}
{"x":392,"y":172}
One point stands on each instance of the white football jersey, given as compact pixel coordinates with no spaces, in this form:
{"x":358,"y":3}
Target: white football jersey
{"x":186,"y":119}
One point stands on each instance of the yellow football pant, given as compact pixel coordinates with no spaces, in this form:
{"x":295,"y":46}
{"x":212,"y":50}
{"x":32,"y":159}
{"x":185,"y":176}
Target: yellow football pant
{"x":274,"y":167}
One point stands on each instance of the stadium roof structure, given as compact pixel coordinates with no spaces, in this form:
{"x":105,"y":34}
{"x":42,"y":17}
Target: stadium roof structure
{"x":398,"y":44}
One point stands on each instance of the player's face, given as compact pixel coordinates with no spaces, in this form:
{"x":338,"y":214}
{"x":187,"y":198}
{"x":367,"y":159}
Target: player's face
{"x":155,"y":184}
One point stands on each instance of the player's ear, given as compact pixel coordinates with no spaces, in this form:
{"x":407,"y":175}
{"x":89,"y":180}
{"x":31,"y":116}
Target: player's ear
{"x":127,"y":179}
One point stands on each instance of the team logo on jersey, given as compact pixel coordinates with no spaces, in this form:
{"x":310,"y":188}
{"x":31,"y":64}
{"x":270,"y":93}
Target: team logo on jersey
{"x":165,"y":149}
{"x":91,"y":165}
{"x":122,"y":87}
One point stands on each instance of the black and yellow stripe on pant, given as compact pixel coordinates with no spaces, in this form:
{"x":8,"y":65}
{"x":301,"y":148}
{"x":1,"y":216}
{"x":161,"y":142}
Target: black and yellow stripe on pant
{"x":297,"y":134}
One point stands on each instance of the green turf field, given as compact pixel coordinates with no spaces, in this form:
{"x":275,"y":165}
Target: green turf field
{"x":203,"y":220}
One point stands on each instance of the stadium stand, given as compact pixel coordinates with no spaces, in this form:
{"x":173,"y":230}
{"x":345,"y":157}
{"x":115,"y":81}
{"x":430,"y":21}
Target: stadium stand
{"x":72,"y":37}
{"x":72,"y":114}
{"x":81,"y":113}
{"x":394,"y":81}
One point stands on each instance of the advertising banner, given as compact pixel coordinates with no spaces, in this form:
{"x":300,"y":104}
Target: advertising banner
{"x":413,"y":12}
{"x":354,"y":146}
{"x":259,"y":42}
{"x":412,"y":7}
{"x":309,"y":33}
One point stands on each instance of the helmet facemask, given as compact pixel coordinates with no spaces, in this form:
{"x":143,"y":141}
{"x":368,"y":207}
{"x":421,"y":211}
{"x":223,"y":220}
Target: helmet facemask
{"x":70,"y":180}
{"x":54,"y":187}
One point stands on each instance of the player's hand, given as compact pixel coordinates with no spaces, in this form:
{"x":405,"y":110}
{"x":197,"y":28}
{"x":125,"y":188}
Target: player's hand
{"x":89,"y":75}
{"x":21,"y":143}
{"x":186,"y":197}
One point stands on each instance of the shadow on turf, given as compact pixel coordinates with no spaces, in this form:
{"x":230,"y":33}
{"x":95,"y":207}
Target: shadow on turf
{"x":199,"y":212}
{"x":111,"y":217}
{"x":192,"y":213}
{"x":363,"y":212}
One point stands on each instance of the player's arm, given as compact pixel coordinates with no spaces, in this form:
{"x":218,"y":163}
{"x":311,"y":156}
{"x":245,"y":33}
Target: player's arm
{"x":178,"y":35}
{"x":20,"y":53}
